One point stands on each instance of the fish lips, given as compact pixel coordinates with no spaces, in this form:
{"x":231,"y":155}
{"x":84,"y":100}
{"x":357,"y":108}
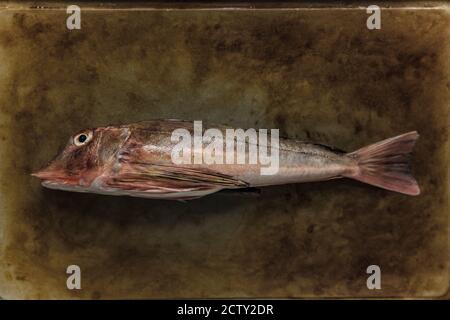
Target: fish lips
{"x":51,"y":176}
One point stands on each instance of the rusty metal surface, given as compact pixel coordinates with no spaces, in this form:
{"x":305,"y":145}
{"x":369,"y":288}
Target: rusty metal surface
{"x":314,"y":74}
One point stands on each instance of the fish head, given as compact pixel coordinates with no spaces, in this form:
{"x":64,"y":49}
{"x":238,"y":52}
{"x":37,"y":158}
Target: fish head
{"x":84,"y":158}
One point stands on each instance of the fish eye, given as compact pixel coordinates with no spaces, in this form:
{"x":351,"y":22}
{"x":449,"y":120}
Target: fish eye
{"x":82,"y":138}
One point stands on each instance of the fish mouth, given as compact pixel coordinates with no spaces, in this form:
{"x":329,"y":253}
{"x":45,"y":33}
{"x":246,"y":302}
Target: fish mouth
{"x":59,"y":180}
{"x":45,"y":174}
{"x":50,"y":176}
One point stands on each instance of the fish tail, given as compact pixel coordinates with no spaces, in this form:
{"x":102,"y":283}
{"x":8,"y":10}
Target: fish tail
{"x":386,"y":164}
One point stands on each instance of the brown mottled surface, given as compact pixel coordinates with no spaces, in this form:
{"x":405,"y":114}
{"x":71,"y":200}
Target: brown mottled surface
{"x":319,"y":75}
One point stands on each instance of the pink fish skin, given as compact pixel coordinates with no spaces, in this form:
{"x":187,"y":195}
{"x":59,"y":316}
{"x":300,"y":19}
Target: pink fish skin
{"x":135,"y":160}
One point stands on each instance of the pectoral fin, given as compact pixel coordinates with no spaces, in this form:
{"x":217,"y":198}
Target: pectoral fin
{"x":158,"y":178}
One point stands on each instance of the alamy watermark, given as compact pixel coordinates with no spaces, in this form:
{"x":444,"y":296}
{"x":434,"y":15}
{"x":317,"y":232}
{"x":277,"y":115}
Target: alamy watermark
{"x":374,"y":280}
{"x":374,"y":20}
{"x":74,"y":278}
{"x":237,"y":147}
{"x":74,"y":20}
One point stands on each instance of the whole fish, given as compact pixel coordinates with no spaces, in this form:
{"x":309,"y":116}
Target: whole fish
{"x":136,"y":160}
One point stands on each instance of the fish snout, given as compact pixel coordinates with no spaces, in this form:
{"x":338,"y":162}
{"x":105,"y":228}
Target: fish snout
{"x":48,"y":174}
{"x":56,"y":176}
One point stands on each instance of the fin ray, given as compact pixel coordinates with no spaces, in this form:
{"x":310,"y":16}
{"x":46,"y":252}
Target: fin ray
{"x":386,"y":164}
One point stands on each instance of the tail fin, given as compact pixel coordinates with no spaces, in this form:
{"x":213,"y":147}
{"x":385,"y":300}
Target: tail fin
{"x":386,"y":164}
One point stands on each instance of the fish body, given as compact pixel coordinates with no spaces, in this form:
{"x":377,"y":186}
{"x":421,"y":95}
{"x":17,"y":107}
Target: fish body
{"x":137,"y":160}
